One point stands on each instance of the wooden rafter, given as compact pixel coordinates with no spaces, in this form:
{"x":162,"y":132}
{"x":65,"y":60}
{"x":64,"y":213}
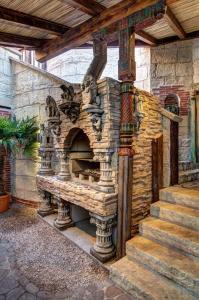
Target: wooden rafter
{"x":146,"y":38}
{"x":83,"y":33}
{"x":22,"y":41}
{"x":89,"y":7}
{"x":174,"y":23}
{"x":29,"y":20}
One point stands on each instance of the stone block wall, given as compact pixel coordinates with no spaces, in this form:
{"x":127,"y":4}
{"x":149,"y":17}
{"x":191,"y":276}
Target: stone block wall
{"x":6,"y":83}
{"x":73,"y":65}
{"x":150,"y":128}
{"x":174,"y":70}
{"x":31,"y":87}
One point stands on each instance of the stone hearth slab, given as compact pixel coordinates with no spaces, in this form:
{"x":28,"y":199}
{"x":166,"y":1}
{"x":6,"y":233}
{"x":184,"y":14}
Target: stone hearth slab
{"x":98,"y":202}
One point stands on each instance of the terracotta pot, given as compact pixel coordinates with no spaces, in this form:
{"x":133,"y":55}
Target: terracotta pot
{"x":4,"y":202}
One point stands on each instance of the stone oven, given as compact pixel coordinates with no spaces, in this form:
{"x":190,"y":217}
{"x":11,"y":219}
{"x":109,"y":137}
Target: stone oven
{"x":82,"y":130}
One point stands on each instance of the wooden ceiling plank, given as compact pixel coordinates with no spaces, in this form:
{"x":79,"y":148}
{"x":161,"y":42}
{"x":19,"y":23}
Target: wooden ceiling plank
{"x":83,"y":33}
{"x":89,"y":7}
{"x":146,"y":38}
{"x":174,"y":23}
{"x":29,"y":20}
{"x":22,"y":41}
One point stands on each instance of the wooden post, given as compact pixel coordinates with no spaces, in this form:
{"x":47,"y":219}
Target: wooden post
{"x":157,"y":167}
{"x":126,"y":71}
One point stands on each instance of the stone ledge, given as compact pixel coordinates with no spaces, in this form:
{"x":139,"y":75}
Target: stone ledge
{"x":98,"y":202}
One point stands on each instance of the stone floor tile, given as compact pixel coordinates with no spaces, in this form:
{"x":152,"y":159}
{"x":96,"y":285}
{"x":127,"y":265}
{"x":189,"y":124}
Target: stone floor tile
{"x":112,"y":292}
{"x":15,"y":293}
{"x":8,"y":284}
{"x":27,"y":296}
{"x":31,"y":288}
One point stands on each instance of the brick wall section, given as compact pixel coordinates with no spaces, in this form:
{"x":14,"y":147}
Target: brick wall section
{"x":163,"y":91}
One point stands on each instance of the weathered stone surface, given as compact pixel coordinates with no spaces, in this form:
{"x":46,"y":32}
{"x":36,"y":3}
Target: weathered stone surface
{"x":171,"y":234}
{"x":98,"y":202}
{"x":181,"y":215}
{"x":139,"y":282}
{"x":170,"y":263}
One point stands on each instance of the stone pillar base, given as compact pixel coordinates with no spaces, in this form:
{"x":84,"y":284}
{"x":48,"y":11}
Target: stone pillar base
{"x":62,"y":226}
{"x":103,"y":257}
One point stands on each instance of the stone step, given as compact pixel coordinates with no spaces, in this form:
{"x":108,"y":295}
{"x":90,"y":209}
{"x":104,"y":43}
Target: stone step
{"x":181,"y":196}
{"x":181,"y":215}
{"x":144,"y":284}
{"x":170,"y":263}
{"x":174,"y":235}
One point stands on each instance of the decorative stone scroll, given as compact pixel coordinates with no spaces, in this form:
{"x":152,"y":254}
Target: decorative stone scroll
{"x":45,"y":208}
{"x":69,"y":106}
{"x":103,"y":248}
{"x":63,"y":219}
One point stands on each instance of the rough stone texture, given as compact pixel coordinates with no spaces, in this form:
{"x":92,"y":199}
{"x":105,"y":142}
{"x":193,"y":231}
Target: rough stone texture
{"x":73,"y":65}
{"x":142,"y":178}
{"x":94,"y":201}
{"x":6,"y":82}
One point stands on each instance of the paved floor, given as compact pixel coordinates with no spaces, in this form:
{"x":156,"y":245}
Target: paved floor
{"x":15,"y":285}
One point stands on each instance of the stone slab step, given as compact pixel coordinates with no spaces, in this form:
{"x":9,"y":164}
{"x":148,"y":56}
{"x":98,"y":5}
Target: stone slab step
{"x":181,"y":215}
{"x":181,"y":196}
{"x":170,"y":263}
{"x":144,"y":284}
{"x":174,"y":235}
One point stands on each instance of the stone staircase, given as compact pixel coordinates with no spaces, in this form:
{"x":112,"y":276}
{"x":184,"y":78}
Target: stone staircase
{"x":162,"y":262}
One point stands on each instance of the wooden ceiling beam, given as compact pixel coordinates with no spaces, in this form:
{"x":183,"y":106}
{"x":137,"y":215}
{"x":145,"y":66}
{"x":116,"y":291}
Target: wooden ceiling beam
{"x":146,"y":38}
{"x":83,"y":32}
{"x":21,"y":41}
{"x":29,"y":20}
{"x":89,"y":7}
{"x":174,"y":23}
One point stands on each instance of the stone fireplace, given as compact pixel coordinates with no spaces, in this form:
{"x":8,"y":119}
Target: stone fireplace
{"x":82,"y":130}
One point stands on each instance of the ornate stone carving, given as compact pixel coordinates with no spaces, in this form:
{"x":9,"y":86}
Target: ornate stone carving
{"x":69,"y":106}
{"x":46,"y":150}
{"x":63,"y":219}
{"x":137,"y":110}
{"x":45,"y":208}
{"x":53,"y":117}
{"x":64,"y":172}
{"x":51,"y":108}
{"x":92,"y":104}
{"x":103,"y":248}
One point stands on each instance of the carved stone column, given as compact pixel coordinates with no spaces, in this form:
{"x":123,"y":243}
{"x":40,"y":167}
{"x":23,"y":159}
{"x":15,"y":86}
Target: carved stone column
{"x":103,"y":249}
{"x":106,"y":183}
{"x":46,"y":151}
{"x":64,"y":172}
{"x":63,"y":220}
{"x":45,"y":208}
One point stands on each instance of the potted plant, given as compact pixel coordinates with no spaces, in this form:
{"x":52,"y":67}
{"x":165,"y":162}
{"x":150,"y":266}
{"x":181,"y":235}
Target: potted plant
{"x":16,"y":137}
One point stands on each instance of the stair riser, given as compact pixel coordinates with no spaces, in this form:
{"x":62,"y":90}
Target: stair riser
{"x":128,"y":286}
{"x":183,"y":279}
{"x":180,"y":199}
{"x":175,"y":217}
{"x":166,"y":239}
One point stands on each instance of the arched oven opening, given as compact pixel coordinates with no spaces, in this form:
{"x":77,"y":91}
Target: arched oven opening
{"x":82,"y":165}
